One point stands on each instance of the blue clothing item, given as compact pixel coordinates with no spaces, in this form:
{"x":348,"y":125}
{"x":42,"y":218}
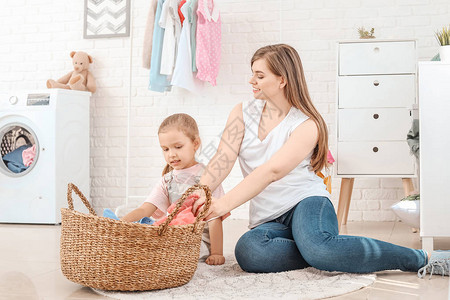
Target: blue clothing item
{"x":107,"y":213}
{"x":307,"y":235}
{"x":15,"y":167}
{"x":192,"y":18}
{"x":14,"y":161}
{"x":158,"y":82}
{"x":146,"y":220}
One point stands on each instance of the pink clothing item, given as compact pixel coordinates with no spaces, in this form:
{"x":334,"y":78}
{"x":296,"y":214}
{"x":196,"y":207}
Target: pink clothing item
{"x":208,"y":41}
{"x":159,"y":196}
{"x":330,"y":157}
{"x":184,"y":216}
{"x":28,"y":155}
{"x":183,"y":179}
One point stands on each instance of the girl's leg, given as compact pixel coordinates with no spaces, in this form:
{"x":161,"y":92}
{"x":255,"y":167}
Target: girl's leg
{"x":268,"y":247}
{"x":315,"y":231}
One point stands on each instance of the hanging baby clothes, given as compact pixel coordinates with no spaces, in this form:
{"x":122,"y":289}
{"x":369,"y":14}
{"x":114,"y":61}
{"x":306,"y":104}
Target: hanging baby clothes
{"x":182,"y":74}
{"x":158,"y":82}
{"x":180,"y":13}
{"x":192,"y":17}
{"x":208,"y":41}
{"x":148,"y":35}
{"x":170,"y":21}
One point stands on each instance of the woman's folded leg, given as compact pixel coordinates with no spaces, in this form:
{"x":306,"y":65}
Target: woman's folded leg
{"x":269,"y":247}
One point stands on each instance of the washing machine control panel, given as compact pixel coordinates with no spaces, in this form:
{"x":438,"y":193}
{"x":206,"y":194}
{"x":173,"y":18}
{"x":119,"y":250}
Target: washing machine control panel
{"x":38,"y":99}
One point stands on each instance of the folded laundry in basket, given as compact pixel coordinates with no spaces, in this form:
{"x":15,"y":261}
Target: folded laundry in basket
{"x":184,"y":216}
{"x":107,"y":213}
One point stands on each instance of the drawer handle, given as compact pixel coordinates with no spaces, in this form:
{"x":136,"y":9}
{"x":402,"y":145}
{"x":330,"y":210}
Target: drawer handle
{"x":376,"y":116}
{"x":375,"y":149}
{"x":376,"y":83}
{"x":376,"y":49}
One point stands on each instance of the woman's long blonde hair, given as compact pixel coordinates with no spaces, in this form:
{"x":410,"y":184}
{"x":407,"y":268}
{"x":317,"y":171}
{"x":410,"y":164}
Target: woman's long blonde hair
{"x":284,"y":61}
{"x":184,"y":123}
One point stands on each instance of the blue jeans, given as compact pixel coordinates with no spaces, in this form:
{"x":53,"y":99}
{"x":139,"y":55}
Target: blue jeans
{"x":307,"y":235}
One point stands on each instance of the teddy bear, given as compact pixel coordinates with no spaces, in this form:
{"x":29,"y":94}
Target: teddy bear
{"x":80,"y":78}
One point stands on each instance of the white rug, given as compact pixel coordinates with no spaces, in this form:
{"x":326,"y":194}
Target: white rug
{"x":230,"y":282}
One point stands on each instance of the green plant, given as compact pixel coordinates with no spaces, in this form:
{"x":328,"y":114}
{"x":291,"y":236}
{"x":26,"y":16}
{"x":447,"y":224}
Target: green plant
{"x":411,"y":197}
{"x":443,"y":36}
{"x":364,"y":34}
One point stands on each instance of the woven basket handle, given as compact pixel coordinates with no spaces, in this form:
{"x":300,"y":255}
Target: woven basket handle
{"x":72,"y":187}
{"x":163,"y":227}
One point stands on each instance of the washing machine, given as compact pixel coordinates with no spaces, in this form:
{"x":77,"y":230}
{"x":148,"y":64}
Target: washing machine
{"x":44,"y":145}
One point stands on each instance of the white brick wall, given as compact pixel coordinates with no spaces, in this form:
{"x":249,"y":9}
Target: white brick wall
{"x":37,"y":37}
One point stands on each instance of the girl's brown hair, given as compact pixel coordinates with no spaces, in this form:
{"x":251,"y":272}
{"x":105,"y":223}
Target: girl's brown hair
{"x":184,"y":123}
{"x":284,"y":61}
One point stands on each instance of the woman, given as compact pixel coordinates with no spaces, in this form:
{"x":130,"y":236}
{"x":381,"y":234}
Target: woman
{"x":281,"y":142}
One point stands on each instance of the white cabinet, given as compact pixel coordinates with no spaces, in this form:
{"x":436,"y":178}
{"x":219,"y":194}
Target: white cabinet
{"x":376,"y":93}
{"x":434,"y":111}
{"x":376,"y":82}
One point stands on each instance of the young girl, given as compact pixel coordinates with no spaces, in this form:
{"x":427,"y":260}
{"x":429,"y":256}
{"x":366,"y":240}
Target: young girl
{"x":179,"y":139}
{"x":282,"y":142}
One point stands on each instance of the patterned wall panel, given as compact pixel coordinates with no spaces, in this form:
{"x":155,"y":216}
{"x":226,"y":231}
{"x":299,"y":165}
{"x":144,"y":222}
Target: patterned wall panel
{"x":106,"y":18}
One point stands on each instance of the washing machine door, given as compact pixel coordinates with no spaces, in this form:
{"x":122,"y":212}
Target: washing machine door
{"x":19,"y":149}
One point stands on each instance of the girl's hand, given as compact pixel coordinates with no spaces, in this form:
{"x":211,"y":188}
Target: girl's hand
{"x":215,"y":259}
{"x":217,"y":208}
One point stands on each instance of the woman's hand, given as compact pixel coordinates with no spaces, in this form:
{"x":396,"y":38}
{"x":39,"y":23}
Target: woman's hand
{"x":217,"y":208}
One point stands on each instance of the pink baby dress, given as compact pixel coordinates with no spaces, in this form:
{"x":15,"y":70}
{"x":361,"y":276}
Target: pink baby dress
{"x":208,"y":41}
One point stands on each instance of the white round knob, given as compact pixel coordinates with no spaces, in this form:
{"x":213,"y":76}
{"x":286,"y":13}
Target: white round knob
{"x":13,"y":100}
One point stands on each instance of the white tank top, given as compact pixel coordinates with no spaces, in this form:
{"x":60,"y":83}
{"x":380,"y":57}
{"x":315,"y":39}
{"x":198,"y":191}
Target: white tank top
{"x":281,"y":195}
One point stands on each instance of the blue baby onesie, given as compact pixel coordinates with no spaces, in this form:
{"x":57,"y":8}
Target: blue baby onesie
{"x":158,"y":82}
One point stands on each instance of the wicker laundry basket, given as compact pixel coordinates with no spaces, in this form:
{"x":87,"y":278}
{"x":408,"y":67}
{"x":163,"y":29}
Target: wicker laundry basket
{"x":108,"y":254}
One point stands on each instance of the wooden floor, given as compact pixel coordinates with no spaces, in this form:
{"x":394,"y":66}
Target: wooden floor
{"x":29,"y":263}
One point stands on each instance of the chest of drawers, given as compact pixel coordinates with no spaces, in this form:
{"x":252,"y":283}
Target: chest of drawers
{"x":376,"y":90}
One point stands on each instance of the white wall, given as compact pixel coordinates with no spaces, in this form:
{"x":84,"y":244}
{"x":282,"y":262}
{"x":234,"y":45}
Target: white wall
{"x":37,"y":36}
